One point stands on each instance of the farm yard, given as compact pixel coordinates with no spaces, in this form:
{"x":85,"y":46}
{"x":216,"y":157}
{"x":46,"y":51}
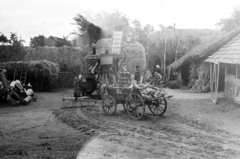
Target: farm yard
{"x":83,"y":80}
{"x":192,"y":127}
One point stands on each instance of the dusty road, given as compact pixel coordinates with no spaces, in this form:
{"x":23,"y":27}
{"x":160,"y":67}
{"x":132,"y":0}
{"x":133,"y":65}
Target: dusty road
{"x":192,"y":127}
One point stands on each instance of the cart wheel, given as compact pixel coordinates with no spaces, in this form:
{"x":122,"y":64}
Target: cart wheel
{"x":135,"y":106}
{"x":109,"y":105}
{"x":159,"y":107}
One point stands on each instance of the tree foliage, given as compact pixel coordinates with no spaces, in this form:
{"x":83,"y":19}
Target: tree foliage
{"x":231,"y":23}
{"x":108,"y":20}
{"x":11,"y":49}
{"x":140,"y":33}
{"x":85,"y":27}
{"x":3,"y":39}
{"x":176,"y":42}
{"x":37,"y":41}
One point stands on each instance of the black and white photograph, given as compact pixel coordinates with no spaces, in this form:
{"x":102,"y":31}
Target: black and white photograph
{"x":119,"y":79}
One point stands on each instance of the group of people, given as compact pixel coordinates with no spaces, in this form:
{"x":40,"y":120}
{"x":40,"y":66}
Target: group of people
{"x":124,"y":77}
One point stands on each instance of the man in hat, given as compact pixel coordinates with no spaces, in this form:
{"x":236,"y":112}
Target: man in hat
{"x":158,"y":69}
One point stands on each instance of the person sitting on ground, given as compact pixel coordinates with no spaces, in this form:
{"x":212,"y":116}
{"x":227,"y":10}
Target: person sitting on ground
{"x":124,"y":79}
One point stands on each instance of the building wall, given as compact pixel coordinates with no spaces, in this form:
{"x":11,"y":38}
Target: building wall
{"x":232,"y":83}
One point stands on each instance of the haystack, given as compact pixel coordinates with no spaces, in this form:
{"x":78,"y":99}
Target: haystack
{"x":199,"y":79}
{"x":135,"y":54}
{"x":102,"y":44}
{"x":42,"y":73}
{"x":69,"y":58}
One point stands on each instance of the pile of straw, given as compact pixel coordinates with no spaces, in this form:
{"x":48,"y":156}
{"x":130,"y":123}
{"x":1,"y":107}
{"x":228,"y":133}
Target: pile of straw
{"x":199,"y":79}
{"x":70,"y":59}
{"x":42,"y":72}
{"x":135,"y":55}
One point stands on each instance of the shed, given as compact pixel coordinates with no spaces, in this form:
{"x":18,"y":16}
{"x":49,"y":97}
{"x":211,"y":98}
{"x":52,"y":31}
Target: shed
{"x":198,"y":54}
{"x":227,"y":58}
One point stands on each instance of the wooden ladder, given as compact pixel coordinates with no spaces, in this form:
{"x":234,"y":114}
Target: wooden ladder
{"x":24,"y":71}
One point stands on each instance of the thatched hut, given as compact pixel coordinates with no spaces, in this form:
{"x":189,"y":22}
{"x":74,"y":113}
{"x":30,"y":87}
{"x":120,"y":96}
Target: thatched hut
{"x":188,"y":65}
{"x":225,"y":69}
{"x":41,"y":74}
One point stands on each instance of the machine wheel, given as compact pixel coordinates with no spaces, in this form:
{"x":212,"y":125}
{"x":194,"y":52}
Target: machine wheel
{"x":135,"y":106}
{"x":109,"y":105}
{"x":159,"y":107}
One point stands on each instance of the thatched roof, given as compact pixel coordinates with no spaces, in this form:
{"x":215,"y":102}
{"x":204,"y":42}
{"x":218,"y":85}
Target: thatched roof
{"x":229,"y":53}
{"x":206,"y":48}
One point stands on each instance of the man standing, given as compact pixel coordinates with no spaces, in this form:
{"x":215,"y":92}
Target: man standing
{"x":94,"y":48}
{"x":137,"y":75}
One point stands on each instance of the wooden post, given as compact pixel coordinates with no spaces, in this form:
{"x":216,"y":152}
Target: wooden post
{"x":211,"y":76}
{"x":216,"y":86}
{"x":213,"y":80}
{"x":164,"y":57}
{"x":236,"y":71}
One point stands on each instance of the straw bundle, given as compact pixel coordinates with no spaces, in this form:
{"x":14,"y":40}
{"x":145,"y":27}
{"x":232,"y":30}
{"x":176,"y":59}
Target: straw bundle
{"x":199,"y":79}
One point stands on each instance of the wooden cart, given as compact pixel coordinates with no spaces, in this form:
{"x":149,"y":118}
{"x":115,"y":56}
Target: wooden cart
{"x":133,"y":102}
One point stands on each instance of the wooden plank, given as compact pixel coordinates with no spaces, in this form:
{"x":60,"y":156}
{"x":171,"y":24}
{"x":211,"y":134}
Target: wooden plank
{"x":213,"y":79}
{"x":217,"y":82}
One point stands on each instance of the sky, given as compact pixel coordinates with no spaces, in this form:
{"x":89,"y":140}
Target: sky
{"x":29,"y":18}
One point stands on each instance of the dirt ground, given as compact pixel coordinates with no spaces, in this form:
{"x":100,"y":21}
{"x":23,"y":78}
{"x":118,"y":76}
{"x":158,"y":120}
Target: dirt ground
{"x":192,"y":127}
